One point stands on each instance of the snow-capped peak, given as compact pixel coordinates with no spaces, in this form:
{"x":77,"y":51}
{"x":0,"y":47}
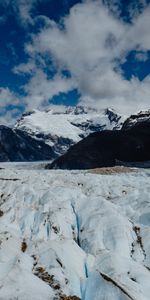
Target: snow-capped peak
{"x":142,"y":116}
{"x":61,"y":126}
{"x":71,"y":110}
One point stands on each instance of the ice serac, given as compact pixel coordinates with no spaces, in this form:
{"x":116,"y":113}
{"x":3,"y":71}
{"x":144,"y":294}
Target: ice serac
{"x":74,"y":235}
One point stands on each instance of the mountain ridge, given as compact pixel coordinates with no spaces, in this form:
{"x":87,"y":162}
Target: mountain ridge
{"x":105,"y":148}
{"x":46,"y":135}
{"x":54,"y":130}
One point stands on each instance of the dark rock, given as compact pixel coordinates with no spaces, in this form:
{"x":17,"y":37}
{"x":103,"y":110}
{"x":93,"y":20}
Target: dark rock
{"x":16,"y":145}
{"x":135,"y":120}
{"x":103,"y":149}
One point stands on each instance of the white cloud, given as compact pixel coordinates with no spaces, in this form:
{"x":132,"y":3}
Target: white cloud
{"x":136,"y":7}
{"x":132,"y":9}
{"x":7,"y":97}
{"x":132,"y":97}
{"x":85,"y":47}
{"x":41,"y":89}
{"x":22,"y":10}
{"x":8,"y":118}
{"x":138,"y":37}
{"x":25,"y":68}
{"x":90,"y":43}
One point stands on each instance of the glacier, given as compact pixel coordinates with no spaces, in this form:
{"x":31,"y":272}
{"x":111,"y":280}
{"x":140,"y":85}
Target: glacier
{"x":61,"y":127}
{"x":74,"y":234}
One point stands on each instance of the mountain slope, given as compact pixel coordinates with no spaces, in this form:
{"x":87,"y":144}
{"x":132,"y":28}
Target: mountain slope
{"x":135,"y":120}
{"x":131,"y":144}
{"x":60,"y":127}
{"x":19,"y":146}
{"x":46,"y":135}
{"x":70,"y":235}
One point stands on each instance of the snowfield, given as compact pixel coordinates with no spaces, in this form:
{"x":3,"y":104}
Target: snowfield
{"x":70,"y":123}
{"x":62,"y":126}
{"x":78,"y":234}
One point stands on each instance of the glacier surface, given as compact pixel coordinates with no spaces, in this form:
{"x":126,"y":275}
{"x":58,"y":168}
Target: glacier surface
{"x":71,"y":233}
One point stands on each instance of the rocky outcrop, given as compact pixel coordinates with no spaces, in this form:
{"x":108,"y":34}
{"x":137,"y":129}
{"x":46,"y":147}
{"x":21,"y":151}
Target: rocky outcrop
{"x":102,"y":149}
{"x":136,"y":119}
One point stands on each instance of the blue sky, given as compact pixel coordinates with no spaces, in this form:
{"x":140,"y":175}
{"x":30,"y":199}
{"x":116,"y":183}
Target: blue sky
{"x":93,"y":52}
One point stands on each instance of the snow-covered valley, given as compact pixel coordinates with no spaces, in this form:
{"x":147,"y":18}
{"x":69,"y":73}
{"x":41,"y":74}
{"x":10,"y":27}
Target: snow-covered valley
{"x":74,"y":235}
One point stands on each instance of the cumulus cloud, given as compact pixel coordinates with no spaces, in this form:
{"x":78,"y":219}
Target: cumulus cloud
{"x":136,"y":7}
{"x":138,"y":35}
{"x":41,"y":89}
{"x":7,"y":97}
{"x":132,"y":97}
{"x":90,"y":43}
{"x":8,"y":117}
{"x":9,"y":106}
{"x":21,"y":9}
{"x":132,"y":9}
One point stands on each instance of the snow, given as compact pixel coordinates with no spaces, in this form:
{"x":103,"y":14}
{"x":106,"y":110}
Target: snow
{"x":142,"y":116}
{"x":68,"y":123}
{"x":74,"y":233}
{"x":47,"y":123}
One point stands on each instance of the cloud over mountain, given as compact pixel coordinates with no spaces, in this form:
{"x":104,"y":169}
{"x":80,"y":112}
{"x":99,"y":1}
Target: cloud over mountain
{"x":91,"y":43}
{"x":85,"y":50}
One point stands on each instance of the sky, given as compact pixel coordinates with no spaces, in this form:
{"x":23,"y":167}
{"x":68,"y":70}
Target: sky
{"x":89,"y":52}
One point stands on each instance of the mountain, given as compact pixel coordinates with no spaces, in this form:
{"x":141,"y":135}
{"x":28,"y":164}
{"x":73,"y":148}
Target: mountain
{"x":130,"y":144}
{"x":16,"y":145}
{"x":74,"y":235}
{"x":45,"y":135}
{"x":61,"y":127}
{"x":135,"y":120}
